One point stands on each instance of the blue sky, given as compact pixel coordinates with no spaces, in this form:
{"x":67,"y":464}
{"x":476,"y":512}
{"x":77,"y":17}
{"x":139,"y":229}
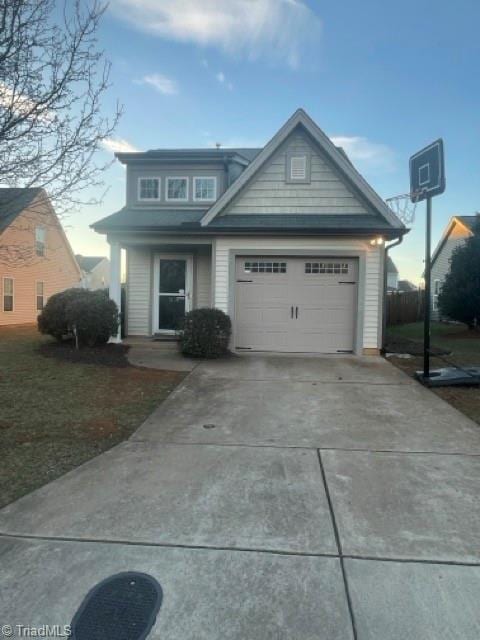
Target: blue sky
{"x":382,"y":78}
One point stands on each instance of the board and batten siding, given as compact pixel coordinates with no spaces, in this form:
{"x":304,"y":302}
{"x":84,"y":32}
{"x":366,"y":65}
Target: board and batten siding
{"x":269,"y":192}
{"x":370,"y":306}
{"x":139,"y":288}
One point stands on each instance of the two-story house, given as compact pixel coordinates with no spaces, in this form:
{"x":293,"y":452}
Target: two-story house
{"x":288,"y":240}
{"x":36,"y":259}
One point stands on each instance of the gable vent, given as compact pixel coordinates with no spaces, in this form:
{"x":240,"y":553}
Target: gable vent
{"x":298,"y":167}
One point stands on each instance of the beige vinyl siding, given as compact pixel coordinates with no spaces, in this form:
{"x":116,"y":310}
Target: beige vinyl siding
{"x":139,"y":289}
{"x":203,"y":280}
{"x":369,"y":307}
{"x":269,"y":193}
{"x":57,"y":269}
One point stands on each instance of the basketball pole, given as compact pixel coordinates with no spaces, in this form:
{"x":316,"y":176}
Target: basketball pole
{"x":426,"y":322}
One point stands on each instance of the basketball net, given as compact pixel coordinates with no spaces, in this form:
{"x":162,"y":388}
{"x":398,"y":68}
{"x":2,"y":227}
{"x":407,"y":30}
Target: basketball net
{"x":403,"y":207}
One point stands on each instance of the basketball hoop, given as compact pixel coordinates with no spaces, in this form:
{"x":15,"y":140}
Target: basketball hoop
{"x":403,"y":206}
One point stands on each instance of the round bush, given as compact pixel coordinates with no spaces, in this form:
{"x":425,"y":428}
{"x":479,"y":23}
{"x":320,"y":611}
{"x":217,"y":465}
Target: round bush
{"x":90,"y":315}
{"x":205,"y":333}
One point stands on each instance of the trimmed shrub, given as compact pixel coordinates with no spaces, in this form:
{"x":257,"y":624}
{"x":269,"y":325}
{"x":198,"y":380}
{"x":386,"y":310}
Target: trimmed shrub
{"x":205,"y":333}
{"x":89,"y":315}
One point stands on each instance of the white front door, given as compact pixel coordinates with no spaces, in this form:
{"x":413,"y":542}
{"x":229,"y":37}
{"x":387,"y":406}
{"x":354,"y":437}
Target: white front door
{"x":172,"y":291}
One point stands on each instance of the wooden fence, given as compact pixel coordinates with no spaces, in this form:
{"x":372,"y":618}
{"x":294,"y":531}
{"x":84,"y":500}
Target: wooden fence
{"x":404,"y":307}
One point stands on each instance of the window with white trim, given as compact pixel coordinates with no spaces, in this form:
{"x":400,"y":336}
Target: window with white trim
{"x":8,"y":292}
{"x":436,"y":287}
{"x":40,"y":241}
{"x":436,"y":291}
{"x":149,"y":188}
{"x":205,"y":188}
{"x":265,"y":267}
{"x":298,"y":167}
{"x":326,"y":267}
{"x":40,"y":295}
{"x":177,"y":189}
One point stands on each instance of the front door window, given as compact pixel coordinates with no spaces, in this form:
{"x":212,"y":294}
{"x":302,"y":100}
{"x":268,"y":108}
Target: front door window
{"x":172,"y":294}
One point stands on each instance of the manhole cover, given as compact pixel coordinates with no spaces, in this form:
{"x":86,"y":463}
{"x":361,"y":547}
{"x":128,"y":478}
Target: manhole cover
{"x":122,"y":607}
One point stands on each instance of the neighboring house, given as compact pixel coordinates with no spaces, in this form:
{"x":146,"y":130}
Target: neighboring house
{"x":392,"y":275}
{"x":405,"y":286}
{"x":36,"y":259}
{"x":288,"y":240}
{"x":457,"y":231}
{"x":95,"y":271}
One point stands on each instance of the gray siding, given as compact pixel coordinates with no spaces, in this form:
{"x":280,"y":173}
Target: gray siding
{"x":134,"y":172}
{"x":203,"y":281}
{"x":139,"y":265}
{"x":269,"y":193}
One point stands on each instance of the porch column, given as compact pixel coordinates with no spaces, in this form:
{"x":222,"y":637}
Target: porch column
{"x":115,"y":290}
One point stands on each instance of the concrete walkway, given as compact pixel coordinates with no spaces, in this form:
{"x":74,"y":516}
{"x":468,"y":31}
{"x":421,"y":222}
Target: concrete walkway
{"x":273,"y":498}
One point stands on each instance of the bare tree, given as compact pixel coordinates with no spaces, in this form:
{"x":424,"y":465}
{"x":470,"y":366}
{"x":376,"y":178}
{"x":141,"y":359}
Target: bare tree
{"x":53,"y":77}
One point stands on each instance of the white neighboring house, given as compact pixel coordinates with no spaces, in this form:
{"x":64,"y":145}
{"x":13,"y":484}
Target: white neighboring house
{"x":392,"y":275}
{"x":95,"y":271}
{"x":457,"y":231}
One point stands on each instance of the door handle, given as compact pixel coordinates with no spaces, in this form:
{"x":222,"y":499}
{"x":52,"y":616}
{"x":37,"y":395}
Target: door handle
{"x":296,"y":312}
{"x":291,"y":312}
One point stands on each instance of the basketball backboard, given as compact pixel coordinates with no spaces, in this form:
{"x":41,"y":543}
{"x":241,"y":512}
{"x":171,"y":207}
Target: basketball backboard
{"x":427,"y":172}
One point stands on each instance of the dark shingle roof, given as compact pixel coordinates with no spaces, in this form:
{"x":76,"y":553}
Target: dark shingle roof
{"x":187,"y":221}
{"x":87,"y":263}
{"x":13,"y":201}
{"x":469,"y":221}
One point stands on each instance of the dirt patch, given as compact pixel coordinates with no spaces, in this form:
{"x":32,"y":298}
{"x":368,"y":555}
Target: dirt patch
{"x":108,"y":355}
{"x":100,"y":428}
{"x":397,"y":344}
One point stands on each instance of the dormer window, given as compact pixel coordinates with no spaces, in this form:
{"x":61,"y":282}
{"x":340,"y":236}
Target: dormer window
{"x":177,"y":189}
{"x":205,"y":188}
{"x":298,"y":167}
{"x":149,"y":188}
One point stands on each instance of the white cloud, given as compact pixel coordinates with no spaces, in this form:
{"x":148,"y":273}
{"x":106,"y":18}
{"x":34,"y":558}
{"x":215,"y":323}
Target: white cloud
{"x":21,"y":104}
{"x":160,"y":83}
{"x":118,"y":145}
{"x":220,"y":77}
{"x":272,"y":29}
{"x":365,"y":153}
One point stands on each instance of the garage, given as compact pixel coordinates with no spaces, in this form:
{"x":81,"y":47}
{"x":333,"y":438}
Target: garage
{"x":297,"y":305}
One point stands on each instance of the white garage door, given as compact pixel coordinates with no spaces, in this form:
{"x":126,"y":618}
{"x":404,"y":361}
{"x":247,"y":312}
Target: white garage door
{"x":304,"y":305}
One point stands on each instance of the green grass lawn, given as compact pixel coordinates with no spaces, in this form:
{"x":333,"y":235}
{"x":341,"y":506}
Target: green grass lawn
{"x":55,"y":415}
{"x":462,"y":347}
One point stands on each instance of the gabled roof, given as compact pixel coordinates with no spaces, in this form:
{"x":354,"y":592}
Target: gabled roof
{"x":468,"y":222}
{"x":88,"y":263}
{"x":391,"y":267}
{"x":13,"y":201}
{"x":337,"y":157}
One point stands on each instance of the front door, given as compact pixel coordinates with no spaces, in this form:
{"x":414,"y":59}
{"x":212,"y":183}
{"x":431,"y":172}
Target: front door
{"x":173,"y":276}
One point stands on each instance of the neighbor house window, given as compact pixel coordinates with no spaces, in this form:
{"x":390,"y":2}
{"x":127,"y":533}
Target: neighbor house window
{"x":177,"y":188}
{"x":205,"y":188}
{"x":40,"y":292}
{"x":40,"y":241}
{"x":149,"y":188}
{"x":436,"y":291}
{"x":8,"y":294}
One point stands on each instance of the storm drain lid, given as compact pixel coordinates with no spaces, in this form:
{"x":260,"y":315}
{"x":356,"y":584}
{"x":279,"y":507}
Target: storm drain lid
{"x":122,"y":607}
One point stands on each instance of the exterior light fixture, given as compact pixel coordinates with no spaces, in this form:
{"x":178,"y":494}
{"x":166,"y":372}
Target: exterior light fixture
{"x":377,"y":242}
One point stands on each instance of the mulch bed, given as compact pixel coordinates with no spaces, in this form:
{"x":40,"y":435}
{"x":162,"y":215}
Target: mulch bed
{"x":108,"y":355}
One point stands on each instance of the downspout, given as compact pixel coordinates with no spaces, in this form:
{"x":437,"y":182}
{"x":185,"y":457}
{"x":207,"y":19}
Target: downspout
{"x":385,"y":280}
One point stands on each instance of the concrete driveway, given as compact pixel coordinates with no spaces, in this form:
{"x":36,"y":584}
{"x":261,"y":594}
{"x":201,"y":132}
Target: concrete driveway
{"x":273,"y":498}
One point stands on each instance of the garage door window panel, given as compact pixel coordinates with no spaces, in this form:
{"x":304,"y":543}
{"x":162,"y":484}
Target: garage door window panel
{"x":265,"y":267}
{"x":338,"y":268}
